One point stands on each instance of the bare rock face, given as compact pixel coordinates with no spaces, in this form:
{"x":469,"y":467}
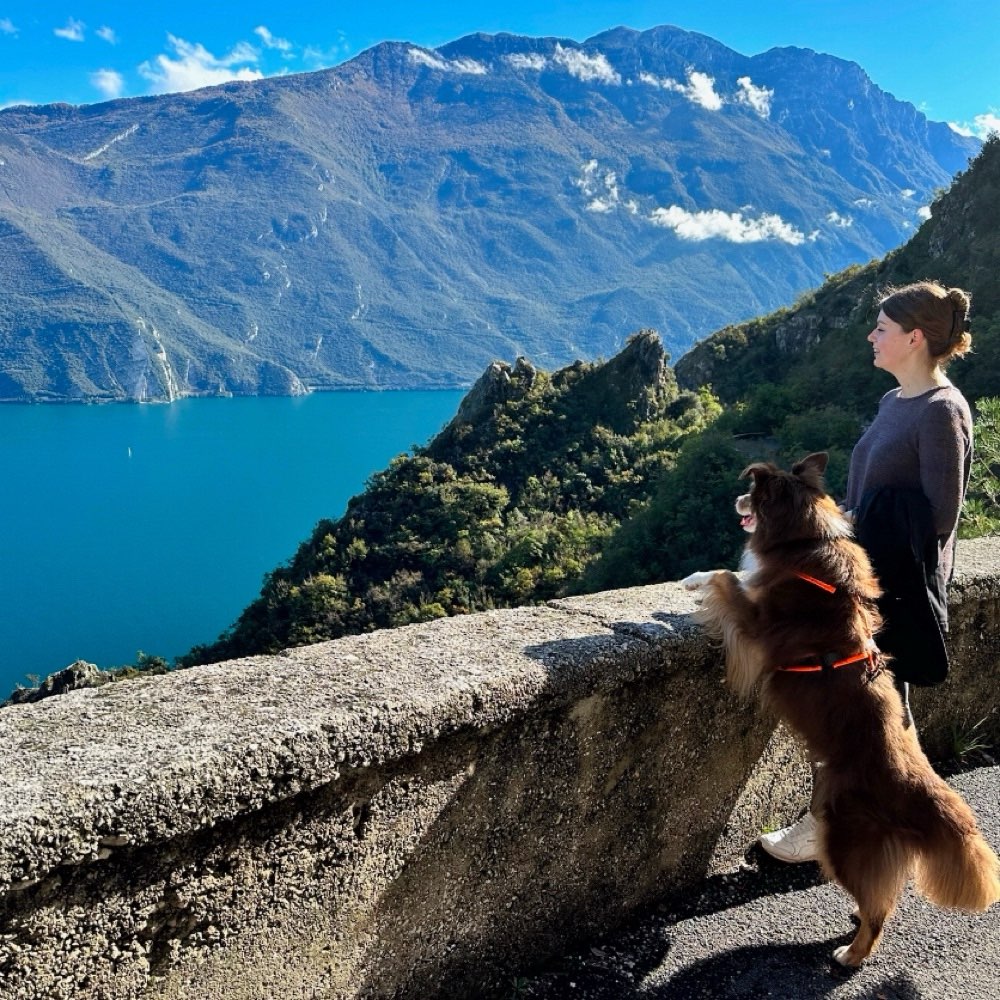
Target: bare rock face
{"x":640,"y":375}
{"x":497,"y":385}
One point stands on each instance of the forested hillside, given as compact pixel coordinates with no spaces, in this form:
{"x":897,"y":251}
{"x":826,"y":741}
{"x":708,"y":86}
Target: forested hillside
{"x":506,"y":506}
{"x":616,"y":474}
{"x":802,"y":379}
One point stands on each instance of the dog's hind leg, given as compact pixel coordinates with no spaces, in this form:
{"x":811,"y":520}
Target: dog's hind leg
{"x":874,"y":873}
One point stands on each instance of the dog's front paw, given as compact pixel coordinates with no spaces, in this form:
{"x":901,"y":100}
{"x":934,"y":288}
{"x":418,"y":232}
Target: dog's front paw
{"x":698,"y":580}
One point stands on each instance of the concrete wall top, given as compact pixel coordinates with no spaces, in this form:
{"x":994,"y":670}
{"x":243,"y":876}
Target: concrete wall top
{"x":143,"y":761}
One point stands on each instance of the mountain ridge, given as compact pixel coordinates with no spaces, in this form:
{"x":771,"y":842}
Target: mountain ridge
{"x":406,"y":217}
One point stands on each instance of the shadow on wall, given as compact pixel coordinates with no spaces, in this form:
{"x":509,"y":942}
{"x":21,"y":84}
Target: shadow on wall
{"x":565,"y":822}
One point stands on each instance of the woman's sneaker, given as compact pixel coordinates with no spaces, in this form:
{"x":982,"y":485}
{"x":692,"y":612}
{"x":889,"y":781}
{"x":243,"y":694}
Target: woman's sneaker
{"x":795,"y":843}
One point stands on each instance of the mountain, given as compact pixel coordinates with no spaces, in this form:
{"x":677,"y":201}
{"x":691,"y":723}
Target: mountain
{"x":505,"y":506}
{"x":818,"y":347}
{"x":406,"y":217}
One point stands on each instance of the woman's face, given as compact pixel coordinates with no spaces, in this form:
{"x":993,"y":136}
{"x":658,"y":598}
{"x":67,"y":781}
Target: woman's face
{"x":893,"y":345}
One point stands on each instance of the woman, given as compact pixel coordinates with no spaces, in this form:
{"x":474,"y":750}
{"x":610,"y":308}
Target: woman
{"x":905,"y":488}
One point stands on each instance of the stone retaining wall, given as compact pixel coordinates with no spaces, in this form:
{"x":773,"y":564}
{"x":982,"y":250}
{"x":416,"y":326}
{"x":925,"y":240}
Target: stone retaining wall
{"x":422,"y":812}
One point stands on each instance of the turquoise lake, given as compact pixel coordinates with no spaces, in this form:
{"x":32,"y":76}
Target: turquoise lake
{"x":127,"y":527}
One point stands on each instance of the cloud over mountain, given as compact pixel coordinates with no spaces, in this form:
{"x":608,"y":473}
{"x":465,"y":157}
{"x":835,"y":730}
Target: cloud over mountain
{"x":192,"y":67}
{"x":699,"y":89}
{"x":758,"y":98}
{"x":586,"y":66}
{"x":404,"y":218}
{"x":733,"y":227}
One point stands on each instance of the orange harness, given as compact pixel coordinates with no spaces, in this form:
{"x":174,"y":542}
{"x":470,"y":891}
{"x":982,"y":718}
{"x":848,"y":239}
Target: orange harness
{"x":830,"y":661}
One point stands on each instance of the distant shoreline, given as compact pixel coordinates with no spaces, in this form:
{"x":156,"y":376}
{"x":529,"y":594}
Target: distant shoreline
{"x":112,"y":401}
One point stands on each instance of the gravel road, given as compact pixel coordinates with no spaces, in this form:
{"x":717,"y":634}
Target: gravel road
{"x":769,"y":929}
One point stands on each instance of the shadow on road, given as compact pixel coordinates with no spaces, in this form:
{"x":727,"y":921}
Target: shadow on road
{"x":782,"y":972}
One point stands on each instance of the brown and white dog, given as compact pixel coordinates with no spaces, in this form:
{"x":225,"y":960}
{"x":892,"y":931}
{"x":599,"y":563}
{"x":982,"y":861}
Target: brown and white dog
{"x":802,"y":627}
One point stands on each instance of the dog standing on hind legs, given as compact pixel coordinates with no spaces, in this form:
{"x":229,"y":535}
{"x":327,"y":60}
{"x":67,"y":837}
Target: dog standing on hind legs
{"x":801,"y":627}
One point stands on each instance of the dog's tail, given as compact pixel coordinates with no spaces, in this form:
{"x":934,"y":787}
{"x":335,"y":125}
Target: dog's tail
{"x":955,"y":866}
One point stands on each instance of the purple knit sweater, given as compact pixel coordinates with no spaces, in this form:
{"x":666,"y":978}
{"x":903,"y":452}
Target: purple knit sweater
{"x":923,"y":442}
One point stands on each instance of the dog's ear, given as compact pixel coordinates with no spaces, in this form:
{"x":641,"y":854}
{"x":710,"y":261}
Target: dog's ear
{"x":811,"y":468}
{"x":758,"y":471}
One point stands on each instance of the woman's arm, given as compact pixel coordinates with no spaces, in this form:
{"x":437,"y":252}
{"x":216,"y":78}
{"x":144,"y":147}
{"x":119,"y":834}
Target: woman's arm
{"x":944,"y":449}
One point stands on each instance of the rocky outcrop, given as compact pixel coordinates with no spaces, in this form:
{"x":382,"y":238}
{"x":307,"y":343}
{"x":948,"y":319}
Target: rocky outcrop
{"x":80,"y":674}
{"x":498,"y":385}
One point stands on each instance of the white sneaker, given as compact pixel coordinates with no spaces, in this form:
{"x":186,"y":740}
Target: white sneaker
{"x":795,"y":843}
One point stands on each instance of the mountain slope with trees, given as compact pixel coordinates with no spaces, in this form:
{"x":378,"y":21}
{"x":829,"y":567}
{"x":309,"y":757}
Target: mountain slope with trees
{"x":618,"y":473}
{"x":802,"y":379}
{"x":505,"y":506}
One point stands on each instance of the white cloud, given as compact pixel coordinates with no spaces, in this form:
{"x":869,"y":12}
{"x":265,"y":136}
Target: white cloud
{"x":586,"y":67}
{"x":73,"y":31}
{"x":730,"y":226}
{"x":108,"y":34}
{"x":924,"y":212}
{"x":195,"y":67}
{"x":318,"y":58}
{"x":864,"y":202}
{"x":907,"y":192}
{"x":840,"y":221}
{"x":981,"y":126}
{"x":7,"y":26}
{"x":468,"y":66}
{"x":242,"y":52}
{"x":428,"y":59}
{"x":526,"y":60}
{"x":601,"y":187}
{"x":700,"y":88}
{"x":270,"y":42}
{"x":109,"y":82}
{"x":432,"y":61}
{"x":601,"y":205}
{"x":758,"y":98}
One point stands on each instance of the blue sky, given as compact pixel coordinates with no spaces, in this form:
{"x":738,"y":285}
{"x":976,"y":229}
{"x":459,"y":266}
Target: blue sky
{"x":941,"y":55}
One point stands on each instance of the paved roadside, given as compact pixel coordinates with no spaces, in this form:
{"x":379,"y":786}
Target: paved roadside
{"x":769,"y":930}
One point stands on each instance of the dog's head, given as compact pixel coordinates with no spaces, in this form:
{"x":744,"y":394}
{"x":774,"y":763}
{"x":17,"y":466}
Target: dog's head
{"x":790,"y":505}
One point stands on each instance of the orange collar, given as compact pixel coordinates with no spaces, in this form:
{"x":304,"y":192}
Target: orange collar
{"x":828,"y":662}
{"x":828,"y":587}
